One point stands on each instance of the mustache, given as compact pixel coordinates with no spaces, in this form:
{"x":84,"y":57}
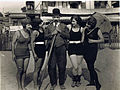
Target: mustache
{"x":30,"y":27}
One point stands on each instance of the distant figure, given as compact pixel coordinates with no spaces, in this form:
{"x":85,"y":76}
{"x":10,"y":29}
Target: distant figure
{"x":38,"y":47}
{"x":58,"y":55}
{"x":21,"y":53}
{"x":75,"y":49}
{"x":93,"y":36}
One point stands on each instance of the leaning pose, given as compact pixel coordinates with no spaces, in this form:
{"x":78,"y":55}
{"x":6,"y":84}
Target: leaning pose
{"x":93,"y":36}
{"x":38,"y":48}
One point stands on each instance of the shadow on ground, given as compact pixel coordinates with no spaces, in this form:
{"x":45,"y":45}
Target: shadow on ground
{"x":29,"y":77}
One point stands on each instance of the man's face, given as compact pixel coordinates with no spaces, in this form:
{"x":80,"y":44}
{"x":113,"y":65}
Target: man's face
{"x":56,"y":17}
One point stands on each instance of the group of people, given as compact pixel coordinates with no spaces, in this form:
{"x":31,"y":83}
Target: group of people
{"x":80,"y":42}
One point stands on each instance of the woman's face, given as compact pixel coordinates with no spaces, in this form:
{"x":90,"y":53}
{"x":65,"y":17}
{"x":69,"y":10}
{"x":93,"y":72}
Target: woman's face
{"x":74,"y":22}
{"x":28,"y":27}
{"x":91,"y":23}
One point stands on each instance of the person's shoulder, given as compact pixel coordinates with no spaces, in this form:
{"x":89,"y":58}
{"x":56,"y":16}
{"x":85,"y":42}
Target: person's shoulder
{"x":35,"y":32}
{"x":69,"y":25}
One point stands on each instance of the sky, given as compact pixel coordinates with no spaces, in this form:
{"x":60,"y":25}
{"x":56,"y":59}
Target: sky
{"x":13,"y":5}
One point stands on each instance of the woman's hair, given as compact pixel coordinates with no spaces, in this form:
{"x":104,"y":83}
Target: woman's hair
{"x":92,"y":22}
{"x":24,"y":22}
{"x":78,"y":19}
{"x":35,"y":24}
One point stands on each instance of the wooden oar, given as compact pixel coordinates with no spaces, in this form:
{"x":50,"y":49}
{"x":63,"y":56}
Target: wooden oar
{"x":44,"y":67}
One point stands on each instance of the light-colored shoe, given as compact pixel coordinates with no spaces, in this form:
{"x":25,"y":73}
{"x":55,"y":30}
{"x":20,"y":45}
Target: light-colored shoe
{"x":78,"y":84}
{"x":62,"y":87}
{"x":73,"y":84}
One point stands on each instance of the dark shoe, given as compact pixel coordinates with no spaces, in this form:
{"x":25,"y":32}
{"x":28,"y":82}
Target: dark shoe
{"x":78,"y":79}
{"x":98,"y":87}
{"x":62,"y":87}
{"x":53,"y":87}
{"x":73,"y":84}
{"x":74,"y":79}
{"x":91,"y":84}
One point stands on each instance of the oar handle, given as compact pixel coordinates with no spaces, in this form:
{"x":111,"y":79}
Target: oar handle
{"x":49,"y":54}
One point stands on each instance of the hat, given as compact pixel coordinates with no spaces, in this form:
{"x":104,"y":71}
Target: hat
{"x":56,"y":11}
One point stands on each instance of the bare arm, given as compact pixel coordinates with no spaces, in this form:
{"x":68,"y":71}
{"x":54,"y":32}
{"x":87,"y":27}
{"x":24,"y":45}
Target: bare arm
{"x":83,"y":34}
{"x":101,"y":38}
{"x":14,"y":42}
{"x":34,"y":34}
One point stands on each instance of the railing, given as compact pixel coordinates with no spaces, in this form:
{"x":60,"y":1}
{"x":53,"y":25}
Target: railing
{"x":5,"y":42}
{"x":113,"y":41}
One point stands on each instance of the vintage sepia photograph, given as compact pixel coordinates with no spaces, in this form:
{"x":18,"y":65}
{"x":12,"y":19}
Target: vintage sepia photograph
{"x":59,"y":45}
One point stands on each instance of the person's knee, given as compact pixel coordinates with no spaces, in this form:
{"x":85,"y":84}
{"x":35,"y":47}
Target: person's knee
{"x":37,"y":69}
{"x":75,"y":67}
{"x":20,"y":70}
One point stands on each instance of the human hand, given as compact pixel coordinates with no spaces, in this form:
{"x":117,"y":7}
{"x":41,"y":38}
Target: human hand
{"x":54,"y":32}
{"x":90,"y":40}
{"x":40,"y":25}
{"x":35,"y":57}
{"x":13,"y":57}
{"x":57,"y":29}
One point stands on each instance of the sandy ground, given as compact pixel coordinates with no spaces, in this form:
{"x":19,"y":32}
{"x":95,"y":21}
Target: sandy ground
{"x":107,"y":67}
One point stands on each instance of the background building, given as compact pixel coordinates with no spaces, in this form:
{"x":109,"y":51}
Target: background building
{"x":68,"y":8}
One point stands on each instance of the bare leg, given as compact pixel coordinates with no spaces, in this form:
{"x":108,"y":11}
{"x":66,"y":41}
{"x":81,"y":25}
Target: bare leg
{"x":79,"y":70}
{"x":19,"y":64}
{"x":80,"y":59}
{"x":74,"y":63}
{"x":38,"y":65}
{"x":74,"y":71}
{"x":26,"y":62}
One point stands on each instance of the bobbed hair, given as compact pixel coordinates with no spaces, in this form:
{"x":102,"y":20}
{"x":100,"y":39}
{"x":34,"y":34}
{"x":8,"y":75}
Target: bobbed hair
{"x":92,"y":22}
{"x":78,"y":19}
{"x":24,"y":22}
